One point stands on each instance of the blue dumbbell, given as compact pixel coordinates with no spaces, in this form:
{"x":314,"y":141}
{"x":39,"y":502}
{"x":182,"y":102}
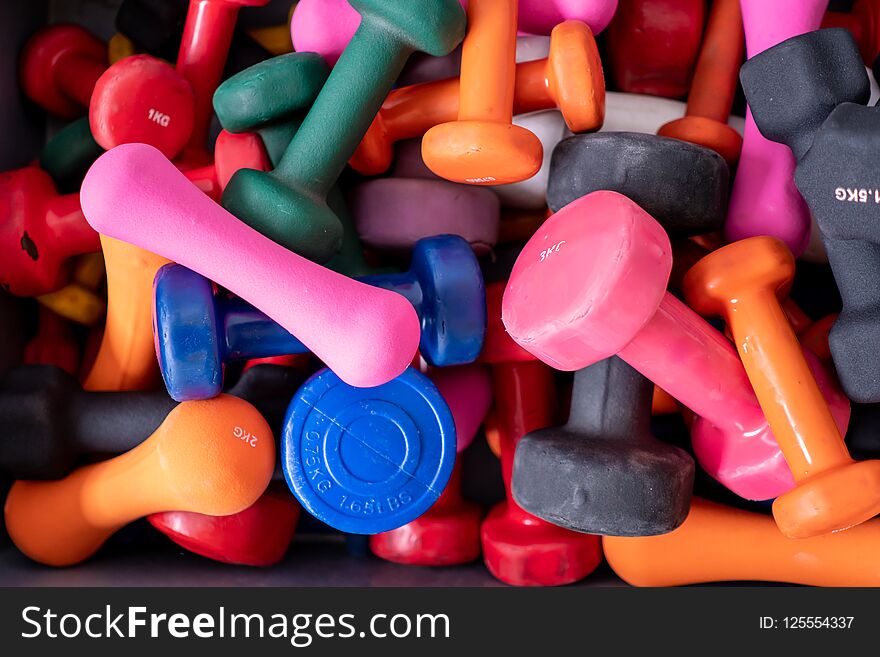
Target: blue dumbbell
{"x":368,"y":460}
{"x":198,"y":330}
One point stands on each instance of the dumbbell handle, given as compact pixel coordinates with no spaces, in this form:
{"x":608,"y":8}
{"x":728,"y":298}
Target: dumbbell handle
{"x":715,"y":75}
{"x":764,"y":200}
{"x":76,"y":76}
{"x":367,"y":336}
{"x":680,"y":352}
{"x":352,"y":99}
{"x":488,"y":58}
{"x":67,"y":228}
{"x":611,"y":400}
{"x":411,"y":111}
{"x":524,"y":399}
{"x":207,"y":35}
{"x":251,"y":334}
{"x":719,"y":543}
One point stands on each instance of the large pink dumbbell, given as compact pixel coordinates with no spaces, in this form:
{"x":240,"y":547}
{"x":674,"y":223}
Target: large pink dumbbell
{"x":326,"y":26}
{"x":366,"y":335}
{"x":765,"y":200}
{"x":591,"y":283}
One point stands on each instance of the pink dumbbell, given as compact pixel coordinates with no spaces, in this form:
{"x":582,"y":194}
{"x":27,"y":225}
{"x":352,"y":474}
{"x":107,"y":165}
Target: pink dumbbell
{"x":765,"y":200}
{"x":591,"y":283}
{"x":366,"y":335}
{"x":326,"y":26}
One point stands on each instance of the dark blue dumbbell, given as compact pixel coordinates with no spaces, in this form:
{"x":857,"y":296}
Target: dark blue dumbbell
{"x":198,"y":330}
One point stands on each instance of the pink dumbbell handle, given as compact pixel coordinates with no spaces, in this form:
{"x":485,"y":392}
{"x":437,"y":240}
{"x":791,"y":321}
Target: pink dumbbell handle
{"x":541,"y":16}
{"x":366,"y":335}
{"x":680,"y":352}
{"x":765,"y":200}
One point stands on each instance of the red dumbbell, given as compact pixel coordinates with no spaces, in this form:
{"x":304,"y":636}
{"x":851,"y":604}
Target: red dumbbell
{"x":257,"y":536}
{"x":54,"y":343}
{"x":204,"y":46}
{"x":166,"y":107}
{"x":519,"y":548}
{"x":652,"y":46}
{"x":449,"y":532}
{"x":864,"y":23}
{"x":58,"y":69}
{"x":40,"y":232}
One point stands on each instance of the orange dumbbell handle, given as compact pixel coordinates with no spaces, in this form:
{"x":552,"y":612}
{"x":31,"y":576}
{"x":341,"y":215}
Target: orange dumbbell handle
{"x":786,"y":389}
{"x":126,"y":359}
{"x":717,"y":70}
{"x":488,"y":61}
{"x":718,"y":543}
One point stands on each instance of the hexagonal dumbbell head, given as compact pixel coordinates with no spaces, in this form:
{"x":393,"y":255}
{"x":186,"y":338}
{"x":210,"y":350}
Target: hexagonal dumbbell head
{"x":603,"y":472}
{"x":793,"y":87}
{"x":840,"y":179}
{"x":271,"y":91}
{"x":683,"y":186}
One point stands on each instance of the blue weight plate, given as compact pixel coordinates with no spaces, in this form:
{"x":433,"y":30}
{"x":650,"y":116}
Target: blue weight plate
{"x":368,"y":460}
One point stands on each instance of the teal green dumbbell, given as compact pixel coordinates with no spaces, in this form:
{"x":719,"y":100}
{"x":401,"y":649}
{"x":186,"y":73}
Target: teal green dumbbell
{"x":69,"y":154}
{"x":289,"y":204}
{"x":271,"y":99}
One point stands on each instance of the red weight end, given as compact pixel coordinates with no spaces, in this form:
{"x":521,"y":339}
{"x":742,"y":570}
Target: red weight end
{"x":141,"y":99}
{"x":536,"y":555}
{"x":40,"y":60}
{"x":258,"y":536}
{"x":498,"y":346}
{"x":445,"y":538}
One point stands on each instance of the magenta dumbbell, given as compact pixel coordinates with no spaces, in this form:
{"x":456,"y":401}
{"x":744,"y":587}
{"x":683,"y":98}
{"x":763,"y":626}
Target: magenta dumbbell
{"x":765,"y":200}
{"x":366,"y":335}
{"x":591,"y":283}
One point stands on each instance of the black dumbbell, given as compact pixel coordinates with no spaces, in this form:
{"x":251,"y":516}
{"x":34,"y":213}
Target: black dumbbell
{"x":681,"y":185}
{"x":156,"y":27}
{"x":603,"y":472}
{"x":49,"y":424}
{"x":809,"y":93}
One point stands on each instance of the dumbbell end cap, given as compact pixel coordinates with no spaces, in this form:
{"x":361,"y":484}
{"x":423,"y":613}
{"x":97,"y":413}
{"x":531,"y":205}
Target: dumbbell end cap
{"x":538,"y":554}
{"x":831,"y":501}
{"x":258,"y":536}
{"x":368,"y":460}
{"x":374,"y":154}
{"x":712,"y":134}
{"x":588,"y":281}
{"x":482,"y":152}
{"x":185,"y":334}
{"x":454,"y":303}
{"x":753,"y":263}
{"x":434,"y":539}
{"x":297,"y":221}
{"x":604,"y":486}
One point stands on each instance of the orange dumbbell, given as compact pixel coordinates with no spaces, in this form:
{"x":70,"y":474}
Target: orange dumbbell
{"x":742,"y":283}
{"x":722,"y":544}
{"x":570,"y":79}
{"x":214,"y":457}
{"x":126,"y":358}
{"x":484,"y":147}
{"x":714,"y":86}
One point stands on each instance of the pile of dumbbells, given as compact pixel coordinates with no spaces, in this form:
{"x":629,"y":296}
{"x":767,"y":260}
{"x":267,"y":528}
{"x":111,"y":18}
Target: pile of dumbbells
{"x":418,"y":219}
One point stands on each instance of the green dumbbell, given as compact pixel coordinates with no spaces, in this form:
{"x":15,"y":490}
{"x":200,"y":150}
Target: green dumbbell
{"x":271,"y":99}
{"x":289,"y":204}
{"x":69,"y":154}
